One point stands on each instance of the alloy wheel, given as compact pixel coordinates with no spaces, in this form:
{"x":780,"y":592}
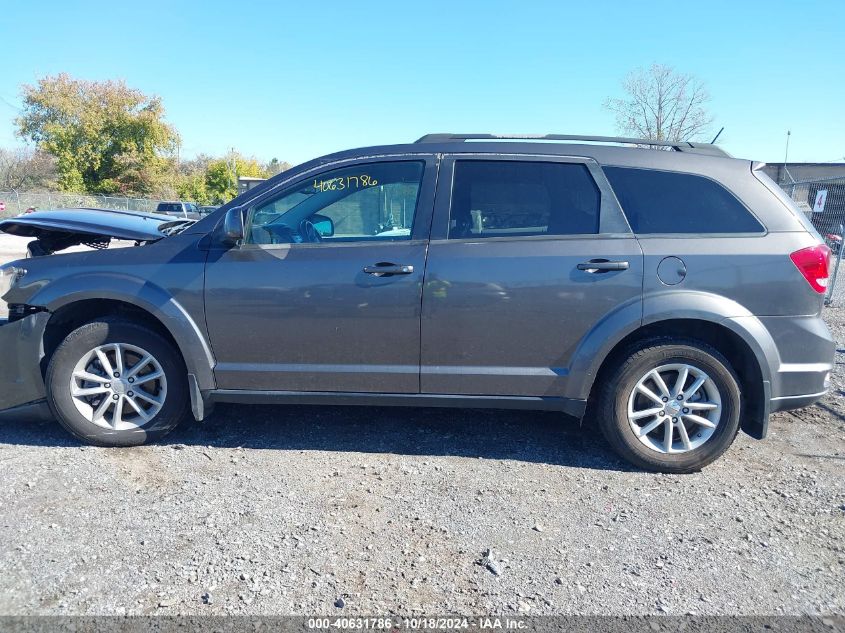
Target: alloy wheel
{"x":118,"y":386}
{"x":674,"y":408}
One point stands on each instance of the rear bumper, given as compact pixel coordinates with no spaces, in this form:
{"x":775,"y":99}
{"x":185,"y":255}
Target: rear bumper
{"x":795,"y":356}
{"x":805,"y":349}
{"x":21,"y":380}
{"x":787,"y":403}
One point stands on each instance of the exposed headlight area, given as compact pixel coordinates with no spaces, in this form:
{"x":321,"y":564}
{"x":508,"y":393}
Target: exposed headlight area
{"x":9,"y":276}
{"x":18,"y":311}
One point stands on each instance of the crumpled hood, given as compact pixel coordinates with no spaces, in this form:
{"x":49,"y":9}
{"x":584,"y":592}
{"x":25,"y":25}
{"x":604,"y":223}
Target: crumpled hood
{"x":88,"y":223}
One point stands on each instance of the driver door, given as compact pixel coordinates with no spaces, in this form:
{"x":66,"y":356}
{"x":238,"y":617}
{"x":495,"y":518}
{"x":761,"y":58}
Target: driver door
{"x":324,"y":293}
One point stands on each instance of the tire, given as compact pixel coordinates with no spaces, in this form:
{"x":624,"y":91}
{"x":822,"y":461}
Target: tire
{"x":159,"y":388}
{"x":716,"y":402}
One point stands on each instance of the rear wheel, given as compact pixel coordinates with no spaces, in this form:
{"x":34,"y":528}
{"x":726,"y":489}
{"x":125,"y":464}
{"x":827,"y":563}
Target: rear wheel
{"x":117,"y":383}
{"x":670,"y":406}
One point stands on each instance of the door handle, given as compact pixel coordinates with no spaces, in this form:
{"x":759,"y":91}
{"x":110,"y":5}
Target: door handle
{"x":602,"y":266}
{"x":383,"y":269}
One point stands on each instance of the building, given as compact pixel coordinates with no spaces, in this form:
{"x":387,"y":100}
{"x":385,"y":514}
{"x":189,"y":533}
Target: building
{"x":245,"y":183}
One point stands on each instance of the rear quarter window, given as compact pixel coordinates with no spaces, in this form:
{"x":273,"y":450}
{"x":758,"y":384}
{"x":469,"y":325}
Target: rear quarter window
{"x":657,"y":201}
{"x":788,"y":202}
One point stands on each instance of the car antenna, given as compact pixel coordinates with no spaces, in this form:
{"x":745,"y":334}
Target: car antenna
{"x":717,"y":135}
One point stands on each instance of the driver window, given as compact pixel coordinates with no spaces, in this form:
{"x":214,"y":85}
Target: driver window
{"x":374,"y":201}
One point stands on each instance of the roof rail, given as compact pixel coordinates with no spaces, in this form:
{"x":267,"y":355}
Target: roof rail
{"x":678,"y":146}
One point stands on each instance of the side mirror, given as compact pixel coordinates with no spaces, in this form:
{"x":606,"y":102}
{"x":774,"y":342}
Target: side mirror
{"x":233,"y":226}
{"x":323,"y":225}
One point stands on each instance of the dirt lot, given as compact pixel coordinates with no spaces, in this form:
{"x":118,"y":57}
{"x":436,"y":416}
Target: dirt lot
{"x":374,"y":511}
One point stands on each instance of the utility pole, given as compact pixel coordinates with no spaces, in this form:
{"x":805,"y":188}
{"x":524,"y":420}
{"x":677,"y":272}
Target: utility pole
{"x":234,"y":169}
{"x":786,"y":154}
{"x":786,"y":157}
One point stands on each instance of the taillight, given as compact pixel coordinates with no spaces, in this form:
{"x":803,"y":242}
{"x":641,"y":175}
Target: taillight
{"x":813,"y":262}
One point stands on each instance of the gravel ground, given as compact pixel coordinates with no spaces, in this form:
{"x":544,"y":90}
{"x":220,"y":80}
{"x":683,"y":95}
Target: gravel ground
{"x":288,"y":510}
{"x":298,"y":510}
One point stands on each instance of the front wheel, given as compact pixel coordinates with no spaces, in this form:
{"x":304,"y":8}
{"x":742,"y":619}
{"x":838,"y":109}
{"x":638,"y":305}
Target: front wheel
{"x":670,"y":406}
{"x":117,"y":383}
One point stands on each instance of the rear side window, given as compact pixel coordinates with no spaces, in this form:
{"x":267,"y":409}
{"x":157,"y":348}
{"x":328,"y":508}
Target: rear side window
{"x":167,"y":207}
{"x":788,"y":202}
{"x":669,"y":202}
{"x":522,"y":198}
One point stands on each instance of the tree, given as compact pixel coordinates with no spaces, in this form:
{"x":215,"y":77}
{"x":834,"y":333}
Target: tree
{"x":662,"y":105}
{"x":208,"y":180}
{"x":105,"y":136}
{"x":275,"y":166}
{"x":221,"y":176}
{"x":26,"y":169}
{"x":190,"y":181}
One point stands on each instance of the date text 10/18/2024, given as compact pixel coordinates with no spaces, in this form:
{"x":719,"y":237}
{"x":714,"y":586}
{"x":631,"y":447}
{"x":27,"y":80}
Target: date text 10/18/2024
{"x":431,"y":624}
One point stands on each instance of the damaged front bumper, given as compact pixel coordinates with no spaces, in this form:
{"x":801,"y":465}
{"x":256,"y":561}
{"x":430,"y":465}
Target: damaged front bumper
{"x":21,"y":353}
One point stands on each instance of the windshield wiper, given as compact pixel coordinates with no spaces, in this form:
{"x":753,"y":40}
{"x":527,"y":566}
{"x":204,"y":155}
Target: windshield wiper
{"x":175,"y":227}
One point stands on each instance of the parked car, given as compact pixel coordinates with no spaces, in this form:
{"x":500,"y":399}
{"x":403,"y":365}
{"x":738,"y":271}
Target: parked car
{"x":186,"y":210}
{"x":667,"y":298}
{"x":206,"y":210}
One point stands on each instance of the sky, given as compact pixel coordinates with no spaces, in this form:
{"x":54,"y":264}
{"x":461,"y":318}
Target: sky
{"x":298,"y":80}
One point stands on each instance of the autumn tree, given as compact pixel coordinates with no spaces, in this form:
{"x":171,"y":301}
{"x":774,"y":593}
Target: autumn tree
{"x":190,"y":180}
{"x":662,"y":104}
{"x":26,"y":169}
{"x":222,"y":175}
{"x":105,"y":137}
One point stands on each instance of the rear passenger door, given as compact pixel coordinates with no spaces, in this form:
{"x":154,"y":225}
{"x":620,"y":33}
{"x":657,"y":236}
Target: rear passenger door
{"x":527,"y":255}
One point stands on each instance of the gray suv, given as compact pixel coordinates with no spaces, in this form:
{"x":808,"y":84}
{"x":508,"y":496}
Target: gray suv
{"x":670,"y":295}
